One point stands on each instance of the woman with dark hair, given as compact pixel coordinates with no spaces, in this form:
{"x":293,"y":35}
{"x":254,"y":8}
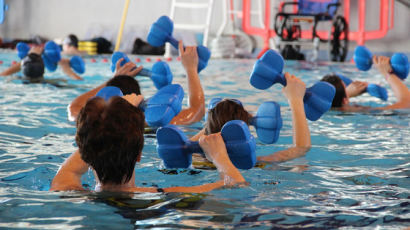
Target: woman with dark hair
{"x":112,"y":149}
{"x":343,"y":93}
{"x":228,"y":109}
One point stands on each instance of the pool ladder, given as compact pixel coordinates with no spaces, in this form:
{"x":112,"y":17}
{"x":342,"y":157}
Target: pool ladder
{"x":197,"y":5}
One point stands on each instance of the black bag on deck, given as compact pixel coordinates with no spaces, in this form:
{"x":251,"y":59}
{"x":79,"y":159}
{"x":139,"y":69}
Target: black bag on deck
{"x":142,"y":47}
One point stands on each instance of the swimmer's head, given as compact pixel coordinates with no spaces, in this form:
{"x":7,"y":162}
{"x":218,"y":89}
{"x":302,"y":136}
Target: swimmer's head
{"x":32,"y":66}
{"x":105,"y":143}
{"x":126,"y":84}
{"x":226,"y":110}
{"x":340,"y":97}
{"x":71,"y":40}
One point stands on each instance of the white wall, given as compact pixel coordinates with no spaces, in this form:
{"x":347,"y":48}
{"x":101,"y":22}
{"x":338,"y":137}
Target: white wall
{"x":57,"y":18}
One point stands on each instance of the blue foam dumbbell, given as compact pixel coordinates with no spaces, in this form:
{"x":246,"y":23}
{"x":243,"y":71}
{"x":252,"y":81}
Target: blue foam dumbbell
{"x":373,"y":89}
{"x":3,"y":9}
{"x":22,"y":49}
{"x":268,"y":71}
{"x":267,"y":120}
{"x":109,"y":91}
{"x":175,"y":149}
{"x":399,"y":61}
{"x":160,"y":74}
{"x":161,"y":32}
{"x":51,"y":55}
{"x":160,"y":108}
{"x":77,"y":64}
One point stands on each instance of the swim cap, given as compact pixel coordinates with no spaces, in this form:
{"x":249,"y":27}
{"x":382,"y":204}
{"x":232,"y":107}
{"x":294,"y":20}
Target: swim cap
{"x":32,"y":66}
{"x":71,"y":40}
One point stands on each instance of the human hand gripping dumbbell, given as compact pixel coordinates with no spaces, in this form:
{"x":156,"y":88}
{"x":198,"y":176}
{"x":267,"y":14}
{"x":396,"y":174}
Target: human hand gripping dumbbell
{"x":373,"y":89}
{"x":364,"y":60}
{"x":160,"y":74}
{"x":161,"y":32}
{"x":159,"y":109}
{"x":268,"y":71}
{"x":176,"y":150}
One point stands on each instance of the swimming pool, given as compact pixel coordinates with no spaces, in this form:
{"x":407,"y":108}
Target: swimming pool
{"x":356,"y":174}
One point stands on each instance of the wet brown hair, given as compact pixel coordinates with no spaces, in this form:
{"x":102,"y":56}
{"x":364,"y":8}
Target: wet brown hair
{"x":226,"y":110}
{"x":110,"y":138}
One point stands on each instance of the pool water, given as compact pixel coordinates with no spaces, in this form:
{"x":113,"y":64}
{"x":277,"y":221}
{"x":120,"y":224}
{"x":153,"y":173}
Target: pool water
{"x":357,"y":173}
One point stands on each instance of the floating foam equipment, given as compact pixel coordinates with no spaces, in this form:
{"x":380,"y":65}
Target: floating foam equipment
{"x":160,"y":108}
{"x":399,"y":61}
{"x":268,"y":71}
{"x":161,"y":32}
{"x":88,"y":46}
{"x":160,"y":74}
{"x":77,"y":64}
{"x":22,"y":49}
{"x":373,"y":89}
{"x":267,"y":120}
{"x":176,"y":150}
{"x":51,"y":55}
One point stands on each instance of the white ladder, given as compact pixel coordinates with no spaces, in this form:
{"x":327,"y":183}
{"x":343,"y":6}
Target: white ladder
{"x":194,"y":27}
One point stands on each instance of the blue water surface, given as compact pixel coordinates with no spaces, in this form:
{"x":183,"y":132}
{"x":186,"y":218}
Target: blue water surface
{"x":355,"y":175}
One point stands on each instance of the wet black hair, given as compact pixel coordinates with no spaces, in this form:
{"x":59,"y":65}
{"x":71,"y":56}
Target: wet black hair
{"x":340,"y":89}
{"x":71,"y":40}
{"x":32,"y":66}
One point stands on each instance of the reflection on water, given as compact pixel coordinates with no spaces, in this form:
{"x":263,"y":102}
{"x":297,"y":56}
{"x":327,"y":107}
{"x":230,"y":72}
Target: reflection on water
{"x":356,"y":174}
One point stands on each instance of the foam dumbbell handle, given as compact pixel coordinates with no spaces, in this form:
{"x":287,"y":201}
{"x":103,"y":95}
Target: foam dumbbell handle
{"x":373,"y":89}
{"x":267,"y":122}
{"x":77,"y":64}
{"x":175,"y":149}
{"x":22,"y":49}
{"x":160,"y":74}
{"x":268,"y":71}
{"x":161,"y":32}
{"x":160,"y":108}
{"x":399,"y":61}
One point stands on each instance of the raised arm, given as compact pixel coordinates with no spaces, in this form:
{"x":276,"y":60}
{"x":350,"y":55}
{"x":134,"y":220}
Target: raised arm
{"x":196,"y":100}
{"x":14,"y":68}
{"x":78,"y":103}
{"x":68,"y":176}
{"x":400,"y":90}
{"x":294,"y":92}
{"x":65,"y":65}
{"x":215,"y":151}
